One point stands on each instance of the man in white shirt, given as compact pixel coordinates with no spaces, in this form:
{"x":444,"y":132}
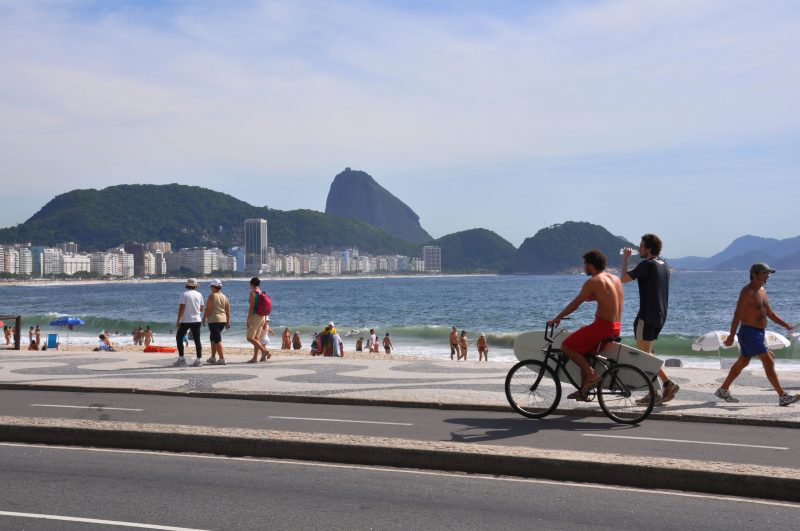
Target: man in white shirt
{"x":190,"y":315}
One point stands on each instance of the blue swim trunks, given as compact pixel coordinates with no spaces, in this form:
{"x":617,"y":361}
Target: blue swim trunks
{"x":752,"y":341}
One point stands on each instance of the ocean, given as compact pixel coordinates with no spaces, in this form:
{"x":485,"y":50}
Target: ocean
{"x":418,"y":312}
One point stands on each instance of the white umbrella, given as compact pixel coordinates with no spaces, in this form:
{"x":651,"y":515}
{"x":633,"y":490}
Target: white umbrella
{"x":776,"y":341}
{"x":713,"y":341}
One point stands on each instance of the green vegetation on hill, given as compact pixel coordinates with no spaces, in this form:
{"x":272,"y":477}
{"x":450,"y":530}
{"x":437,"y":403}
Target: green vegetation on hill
{"x":189,"y":216}
{"x":559,"y":248}
{"x":476,"y":250}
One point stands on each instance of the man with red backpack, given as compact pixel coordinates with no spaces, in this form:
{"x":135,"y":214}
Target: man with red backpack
{"x":260,"y":308}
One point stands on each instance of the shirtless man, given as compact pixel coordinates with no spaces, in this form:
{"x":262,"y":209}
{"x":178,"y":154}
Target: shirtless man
{"x":752,"y":310}
{"x":454,"y":349}
{"x":606,"y":289}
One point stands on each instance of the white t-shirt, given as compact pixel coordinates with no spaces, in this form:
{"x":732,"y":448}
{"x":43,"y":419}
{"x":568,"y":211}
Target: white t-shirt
{"x":192,"y":301}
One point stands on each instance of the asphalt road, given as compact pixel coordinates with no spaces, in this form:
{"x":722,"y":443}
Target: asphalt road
{"x":704,"y":441}
{"x":43,"y":485}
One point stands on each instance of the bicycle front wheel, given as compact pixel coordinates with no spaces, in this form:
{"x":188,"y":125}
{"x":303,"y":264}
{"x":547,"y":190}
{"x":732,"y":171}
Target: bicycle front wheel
{"x":532,"y":389}
{"x":626,"y":395}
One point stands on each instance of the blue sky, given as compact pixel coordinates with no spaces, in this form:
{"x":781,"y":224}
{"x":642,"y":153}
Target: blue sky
{"x":675,"y":117}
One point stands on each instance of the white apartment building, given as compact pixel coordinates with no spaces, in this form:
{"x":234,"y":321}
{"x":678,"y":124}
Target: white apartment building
{"x":49,"y":262}
{"x":72,"y":263}
{"x":200,"y":261}
{"x":417,"y":264}
{"x":25,"y":261}
{"x":2,"y":259}
{"x":11,"y":261}
{"x":105,"y":264}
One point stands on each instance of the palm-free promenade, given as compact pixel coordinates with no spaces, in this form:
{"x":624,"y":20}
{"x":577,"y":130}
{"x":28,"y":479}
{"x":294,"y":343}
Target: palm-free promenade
{"x":454,"y":416}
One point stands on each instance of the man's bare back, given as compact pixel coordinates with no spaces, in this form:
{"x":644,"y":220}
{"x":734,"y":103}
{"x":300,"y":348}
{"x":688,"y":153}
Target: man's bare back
{"x":606,"y":289}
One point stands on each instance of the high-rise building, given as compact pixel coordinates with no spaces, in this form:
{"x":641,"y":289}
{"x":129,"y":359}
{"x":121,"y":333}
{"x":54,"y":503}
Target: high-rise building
{"x":68,"y":247}
{"x":432,"y":256}
{"x":255,"y":245}
{"x":137,"y":250}
{"x":164,"y":247}
{"x":25,"y":261}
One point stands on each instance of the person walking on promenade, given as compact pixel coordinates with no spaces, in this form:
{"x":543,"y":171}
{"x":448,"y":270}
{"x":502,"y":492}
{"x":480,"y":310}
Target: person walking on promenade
{"x":286,"y":340}
{"x":190,"y":311}
{"x":255,"y":322}
{"x":652,"y":275}
{"x":462,"y":345}
{"x":454,"y":349}
{"x":752,"y":311}
{"x":483,"y":348}
{"x":387,"y":344}
{"x":606,"y":289}
{"x":218,"y":316}
{"x":266,"y":331}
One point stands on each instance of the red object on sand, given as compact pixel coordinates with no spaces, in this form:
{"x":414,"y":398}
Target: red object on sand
{"x":156,"y":348}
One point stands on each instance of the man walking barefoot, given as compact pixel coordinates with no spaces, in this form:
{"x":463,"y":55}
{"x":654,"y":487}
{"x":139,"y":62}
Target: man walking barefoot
{"x":752,"y":311}
{"x":652,"y":275}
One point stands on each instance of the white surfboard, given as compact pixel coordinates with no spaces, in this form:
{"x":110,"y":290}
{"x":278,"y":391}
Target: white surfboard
{"x":531,"y":345}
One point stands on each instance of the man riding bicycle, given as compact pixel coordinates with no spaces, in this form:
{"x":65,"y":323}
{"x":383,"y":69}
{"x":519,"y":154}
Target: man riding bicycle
{"x":606,"y":290}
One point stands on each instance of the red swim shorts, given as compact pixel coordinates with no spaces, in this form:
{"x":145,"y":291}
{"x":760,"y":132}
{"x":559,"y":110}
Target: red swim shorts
{"x":587,"y":338}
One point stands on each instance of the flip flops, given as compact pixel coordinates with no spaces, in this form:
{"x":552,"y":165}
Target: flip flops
{"x":588,"y":386}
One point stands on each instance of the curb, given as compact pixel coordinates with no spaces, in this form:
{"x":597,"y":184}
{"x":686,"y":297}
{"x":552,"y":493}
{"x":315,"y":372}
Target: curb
{"x":306,"y":399}
{"x":611,"y":469}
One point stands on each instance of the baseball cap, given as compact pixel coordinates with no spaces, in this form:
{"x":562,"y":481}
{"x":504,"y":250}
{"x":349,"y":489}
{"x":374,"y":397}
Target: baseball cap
{"x":760,"y":267}
{"x":330,"y":324}
{"x":191,"y":283}
{"x":217,"y":283}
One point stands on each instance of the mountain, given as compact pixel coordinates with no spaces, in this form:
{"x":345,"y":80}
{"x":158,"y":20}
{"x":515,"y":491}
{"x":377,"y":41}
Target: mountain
{"x":559,"y":248}
{"x":189,"y":216}
{"x":357,"y":195}
{"x":476,"y":250}
{"x":742,"y":253}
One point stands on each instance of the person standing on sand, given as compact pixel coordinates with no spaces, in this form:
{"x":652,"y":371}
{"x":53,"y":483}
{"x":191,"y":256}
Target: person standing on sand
{"x":297,"y":344}
{"x":148,"y":336}
{"x":752,"y":311}
{"x":30,"y":335}
{"x":190,"y":311}
{"x":286,"y":343}
{"x":454,"y":348}
{"x":255,"y":322}
{"x":7,"y":333}
{"x":37,"y":334}
{"x":483,"y":348}
{"x":218,"y":316}
{"x":360,"y":344}
{"x":652,"y":275}
{"x":372,"y":342}
{"x":338,"y":345}
{"x":387,"y":344}
{"x":462,"y":345}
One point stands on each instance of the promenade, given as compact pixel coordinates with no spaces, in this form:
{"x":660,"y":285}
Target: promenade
{"x":395,"y":382}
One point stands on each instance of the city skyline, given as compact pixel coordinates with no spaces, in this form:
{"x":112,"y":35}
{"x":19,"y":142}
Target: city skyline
{"x":638,"y":116}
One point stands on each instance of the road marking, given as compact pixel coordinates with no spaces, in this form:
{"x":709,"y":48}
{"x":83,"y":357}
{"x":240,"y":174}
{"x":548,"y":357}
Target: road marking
{"x":104,"y":408}
{"x":684,"y":441}
{"x":370,"y":468}
{"x":95,"y":521}
{"x":342,"y":420}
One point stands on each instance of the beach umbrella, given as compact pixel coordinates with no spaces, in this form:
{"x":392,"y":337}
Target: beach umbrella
{"x":776,"y":341}
{"x":714,"y":340}
{"x":69,"y":322}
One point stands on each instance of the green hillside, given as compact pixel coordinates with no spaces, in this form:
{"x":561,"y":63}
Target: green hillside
{"x":189,"y":216}
{"x":559,"y":248}
{"x":476,"y":250}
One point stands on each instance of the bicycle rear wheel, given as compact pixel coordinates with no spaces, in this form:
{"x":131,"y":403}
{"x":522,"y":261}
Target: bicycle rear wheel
{"x":626,"y":395}
{"x":532,"y":389}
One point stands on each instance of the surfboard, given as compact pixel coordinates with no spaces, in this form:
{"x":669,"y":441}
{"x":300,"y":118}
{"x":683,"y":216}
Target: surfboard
{"x":531,"y":346}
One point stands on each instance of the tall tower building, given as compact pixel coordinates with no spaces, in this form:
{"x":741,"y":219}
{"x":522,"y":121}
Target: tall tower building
{"x":255,"y":245}
{"x":432,"y":256}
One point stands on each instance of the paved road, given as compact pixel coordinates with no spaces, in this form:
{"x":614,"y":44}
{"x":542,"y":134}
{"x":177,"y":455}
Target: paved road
{"x":754,"y":445}
{"x":205,"y":492}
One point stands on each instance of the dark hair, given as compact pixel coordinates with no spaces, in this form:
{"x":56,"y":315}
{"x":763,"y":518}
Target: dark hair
{"x":255,"y":281}
{"x":596,"y":259}
{"x":102,"y":336}
{"x":652,"y":242}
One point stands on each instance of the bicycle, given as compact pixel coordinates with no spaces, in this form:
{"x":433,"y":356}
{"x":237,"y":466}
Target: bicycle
{"x":533,"y":388}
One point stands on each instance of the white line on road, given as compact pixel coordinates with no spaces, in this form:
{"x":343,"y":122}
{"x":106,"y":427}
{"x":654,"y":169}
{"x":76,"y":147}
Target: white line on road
{"x":88,"y":407}
{"x":341,"y":420}
{"x":94,"y":521}
{"x":684,"y":441}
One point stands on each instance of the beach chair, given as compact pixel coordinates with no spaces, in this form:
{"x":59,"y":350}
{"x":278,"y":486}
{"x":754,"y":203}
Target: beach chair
{"x":52,"y":341}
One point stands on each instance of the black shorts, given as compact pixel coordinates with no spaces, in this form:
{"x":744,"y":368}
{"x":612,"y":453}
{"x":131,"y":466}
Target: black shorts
{"x":215,"y":332}
{"x":453,"y":349}
{"x":643,"y":331}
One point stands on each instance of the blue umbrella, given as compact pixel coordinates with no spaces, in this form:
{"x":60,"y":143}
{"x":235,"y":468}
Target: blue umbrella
{"x":69,"y":322}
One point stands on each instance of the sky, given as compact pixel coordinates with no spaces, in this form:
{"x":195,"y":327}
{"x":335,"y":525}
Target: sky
{"x":678,"y":117}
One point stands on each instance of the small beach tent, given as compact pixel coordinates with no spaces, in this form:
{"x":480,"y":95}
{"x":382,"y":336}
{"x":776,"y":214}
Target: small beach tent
{"x":69,"y":322}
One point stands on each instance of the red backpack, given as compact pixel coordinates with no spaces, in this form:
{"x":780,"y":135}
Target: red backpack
{"x":263,"y":304}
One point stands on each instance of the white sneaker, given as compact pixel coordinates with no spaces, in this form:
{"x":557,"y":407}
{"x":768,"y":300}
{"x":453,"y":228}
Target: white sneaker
{"x":221,"y":361}
{"x":212,"y":360}
{"x":180,"y":362}
{"x":725,"y":395}
{"x":197,"y":363}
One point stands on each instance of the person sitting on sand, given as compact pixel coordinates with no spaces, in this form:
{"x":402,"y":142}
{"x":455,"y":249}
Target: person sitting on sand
{"x":105,"y":344}
{"x":33,"y":345}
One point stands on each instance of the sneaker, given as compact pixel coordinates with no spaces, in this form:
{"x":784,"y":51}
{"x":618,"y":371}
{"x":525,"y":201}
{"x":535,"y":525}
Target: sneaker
{"x":670,"y":390}
{"x":212,"y":360}
{"x":725,"y":395}
{"x":221,"y":361}
{"x":197,"y":363}
{"x":788,"y":399}
{"x":180,"y":362}
{"x":645,"y":399}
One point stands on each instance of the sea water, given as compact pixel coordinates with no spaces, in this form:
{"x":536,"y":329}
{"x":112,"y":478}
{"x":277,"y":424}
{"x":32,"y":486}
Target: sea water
{"x":418,"y":312}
